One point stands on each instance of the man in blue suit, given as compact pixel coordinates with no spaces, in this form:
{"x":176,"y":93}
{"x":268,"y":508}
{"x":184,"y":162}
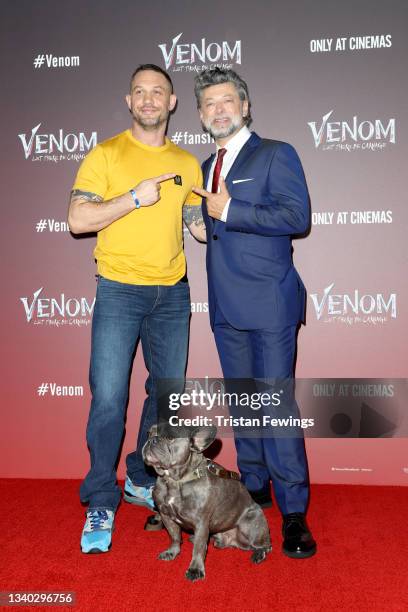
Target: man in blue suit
{"x":256,"y":199}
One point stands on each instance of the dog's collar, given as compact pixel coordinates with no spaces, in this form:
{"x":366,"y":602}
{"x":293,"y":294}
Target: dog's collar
{"x":213,"y":468}
{"x":218,"y":470}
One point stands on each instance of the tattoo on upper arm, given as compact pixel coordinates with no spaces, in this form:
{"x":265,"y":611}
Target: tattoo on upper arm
{"x":86,"y":195}
{"x":192,"y":214}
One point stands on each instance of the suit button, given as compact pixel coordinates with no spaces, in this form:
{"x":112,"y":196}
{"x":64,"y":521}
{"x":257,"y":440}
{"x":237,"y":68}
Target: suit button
{"x":215,"y":237}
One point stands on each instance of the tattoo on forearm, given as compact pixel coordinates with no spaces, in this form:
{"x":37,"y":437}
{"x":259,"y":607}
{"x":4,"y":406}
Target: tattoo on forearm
{"x":86,"y":195}
{"x":193,"y":214}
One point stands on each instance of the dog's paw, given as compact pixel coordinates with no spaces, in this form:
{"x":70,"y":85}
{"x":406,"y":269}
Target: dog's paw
{"x":168,"y":555}
{"x":218,"y":542}
{"x":259,"y":555}
{"x":194,"y":574}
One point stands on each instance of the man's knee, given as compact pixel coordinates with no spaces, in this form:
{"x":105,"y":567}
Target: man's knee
{"x":108,"y":402}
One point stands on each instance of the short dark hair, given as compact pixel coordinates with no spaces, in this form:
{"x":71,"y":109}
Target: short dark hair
{"x":215,"y":76}
{"x":153,"y":67}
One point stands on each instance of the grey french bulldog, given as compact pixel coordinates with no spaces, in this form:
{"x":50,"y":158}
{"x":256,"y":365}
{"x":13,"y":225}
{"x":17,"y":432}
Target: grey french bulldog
{"x":196,"y":494}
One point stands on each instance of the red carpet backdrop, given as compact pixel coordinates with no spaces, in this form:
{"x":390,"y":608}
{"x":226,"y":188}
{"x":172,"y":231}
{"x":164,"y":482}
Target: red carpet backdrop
{"x":328,"y":77}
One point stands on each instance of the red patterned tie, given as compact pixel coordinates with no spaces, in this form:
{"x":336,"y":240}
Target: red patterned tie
{"x":217,"y":170}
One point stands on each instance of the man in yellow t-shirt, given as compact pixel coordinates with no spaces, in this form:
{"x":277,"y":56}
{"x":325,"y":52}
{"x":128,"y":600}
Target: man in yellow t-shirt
{"x":134,"y":190}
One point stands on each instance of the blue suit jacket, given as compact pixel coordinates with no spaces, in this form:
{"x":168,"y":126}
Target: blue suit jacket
{"x":251,"y":277}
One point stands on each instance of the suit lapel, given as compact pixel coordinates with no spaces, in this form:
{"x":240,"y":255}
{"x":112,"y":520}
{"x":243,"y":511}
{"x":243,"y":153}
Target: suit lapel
{"x":251,"y":144}
{"x":206,"y":172}
{"x":206,"y":169}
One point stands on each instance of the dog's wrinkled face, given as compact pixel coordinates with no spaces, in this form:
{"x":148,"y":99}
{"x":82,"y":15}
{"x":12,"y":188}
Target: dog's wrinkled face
{"x":164,"y":453}
{"x":169,"y":454}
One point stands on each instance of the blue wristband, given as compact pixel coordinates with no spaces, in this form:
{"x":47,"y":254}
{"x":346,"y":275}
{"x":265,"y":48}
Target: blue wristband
{"x":133,"y":194}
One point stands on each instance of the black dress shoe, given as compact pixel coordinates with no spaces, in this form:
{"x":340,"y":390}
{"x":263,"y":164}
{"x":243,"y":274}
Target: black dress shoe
{"x":298,"y":542}
{"x":262,"y":497}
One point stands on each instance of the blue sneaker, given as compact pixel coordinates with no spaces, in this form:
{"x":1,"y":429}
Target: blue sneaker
{"x":138,"y":495}
{"x":97,"y":532}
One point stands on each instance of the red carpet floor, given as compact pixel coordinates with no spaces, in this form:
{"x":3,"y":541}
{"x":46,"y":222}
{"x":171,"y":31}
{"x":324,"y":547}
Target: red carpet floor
{"x":361,"y":564}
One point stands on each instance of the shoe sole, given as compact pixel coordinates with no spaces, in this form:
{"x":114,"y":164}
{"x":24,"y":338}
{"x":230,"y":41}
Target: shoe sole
{"x":96,"y":551}
{"x":299,"y":555}
{"x":131,"y":499}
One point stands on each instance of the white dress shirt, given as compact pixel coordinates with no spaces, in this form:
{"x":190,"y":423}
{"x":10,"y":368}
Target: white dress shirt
{"x":233,"y":147}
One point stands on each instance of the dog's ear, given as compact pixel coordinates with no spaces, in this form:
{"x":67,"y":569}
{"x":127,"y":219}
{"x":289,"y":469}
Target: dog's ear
{"x":153,"y":431}
{"x":202,"y":438}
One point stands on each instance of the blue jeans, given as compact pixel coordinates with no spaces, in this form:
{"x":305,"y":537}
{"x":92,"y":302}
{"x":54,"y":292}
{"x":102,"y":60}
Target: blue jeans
{"x":159,"y":315}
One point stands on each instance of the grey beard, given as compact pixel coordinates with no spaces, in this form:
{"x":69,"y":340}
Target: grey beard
{"x":224,"y":133}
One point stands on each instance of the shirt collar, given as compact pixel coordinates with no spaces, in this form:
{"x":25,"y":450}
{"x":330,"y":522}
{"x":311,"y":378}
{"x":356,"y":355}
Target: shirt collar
{"x":237,"y":141}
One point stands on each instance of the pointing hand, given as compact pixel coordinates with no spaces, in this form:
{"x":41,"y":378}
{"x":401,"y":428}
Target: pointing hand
{"x":215,"y":201}
{"x":148,"y":191}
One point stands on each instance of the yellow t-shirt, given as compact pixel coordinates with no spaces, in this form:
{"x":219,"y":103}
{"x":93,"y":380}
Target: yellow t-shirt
{"x":144,"y":247}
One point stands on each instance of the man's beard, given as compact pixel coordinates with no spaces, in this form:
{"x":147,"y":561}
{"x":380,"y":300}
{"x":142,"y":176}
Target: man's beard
{"x":224,"y":132}
{"x":150,"y":123}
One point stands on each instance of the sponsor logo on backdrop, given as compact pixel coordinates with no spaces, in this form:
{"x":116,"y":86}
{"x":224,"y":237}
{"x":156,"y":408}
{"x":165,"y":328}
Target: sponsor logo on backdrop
{"x":354,"y":134}
{"x":48,"y":60}
{"x":188,"y":138}
{"x":356,"y":307}
{"x":55,"y":390}
{"x":56,"y":147}
{"x":58,"y":311}
{"x":199,"y":307}
{"x":205,"y":385}
{"x":201,"y":55}
{"x":51,"y":225}
{"x":350,"y":43}
{"x":352,"y":217}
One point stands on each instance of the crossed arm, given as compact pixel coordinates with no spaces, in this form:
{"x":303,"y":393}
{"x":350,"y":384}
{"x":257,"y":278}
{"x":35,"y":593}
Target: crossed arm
{"x":89,"y":213}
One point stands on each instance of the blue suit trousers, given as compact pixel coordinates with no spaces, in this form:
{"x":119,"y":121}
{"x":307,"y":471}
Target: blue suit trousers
{"x":265,"y":354}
